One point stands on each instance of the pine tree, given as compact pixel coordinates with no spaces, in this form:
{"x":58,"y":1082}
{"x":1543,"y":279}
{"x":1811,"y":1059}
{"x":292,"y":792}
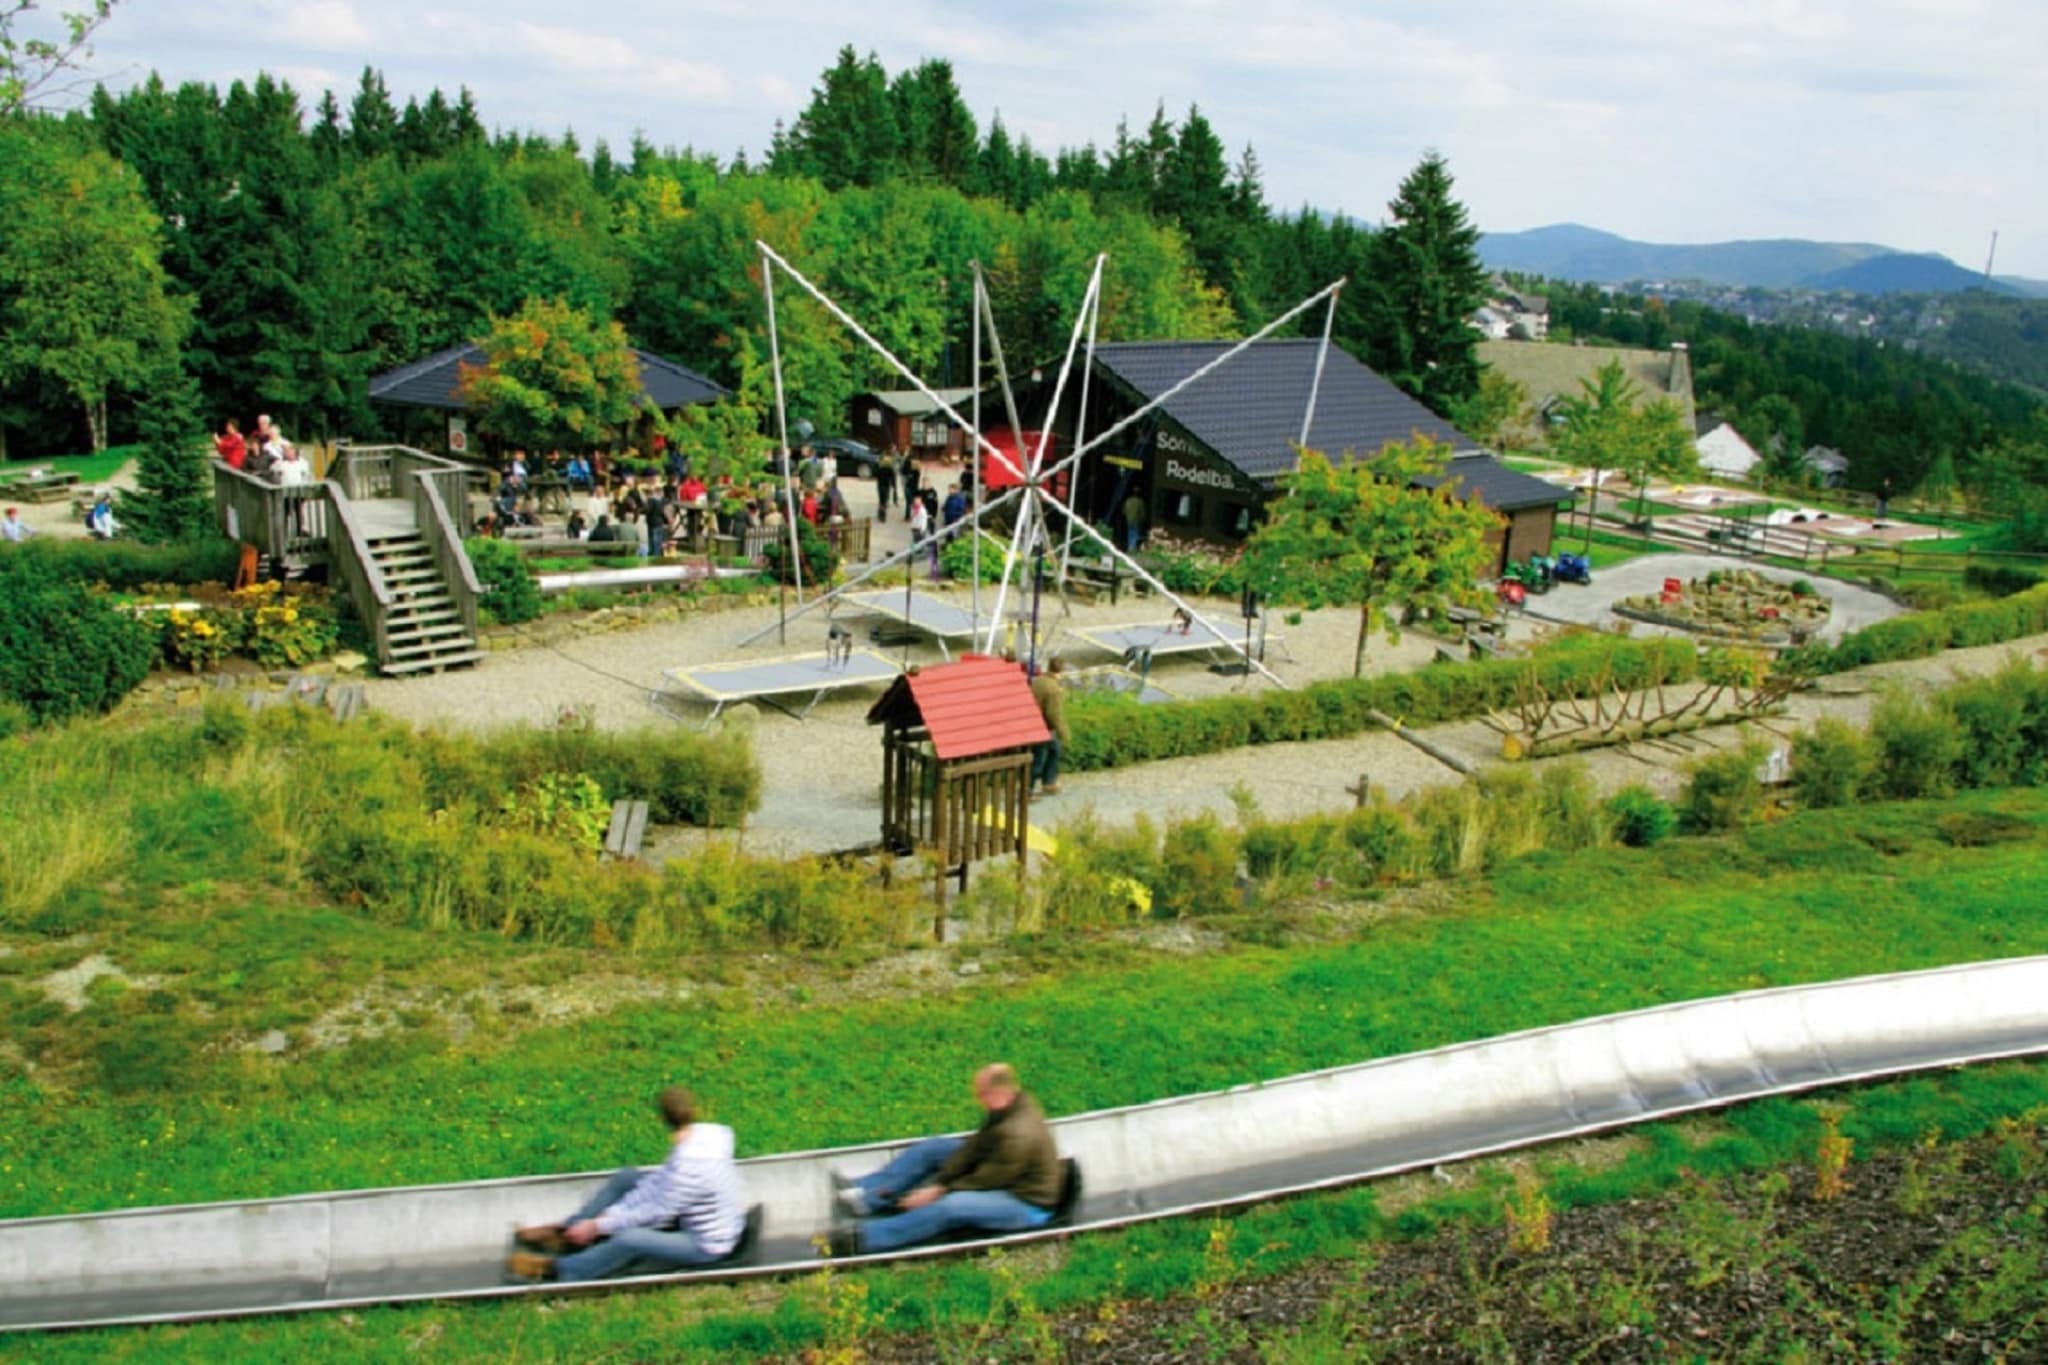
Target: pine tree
{"x":1425,"y":282}
{"x":173,"y":497}
{"x":372,"y":121}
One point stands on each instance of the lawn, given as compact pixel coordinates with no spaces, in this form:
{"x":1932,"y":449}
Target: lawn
{"x":1547,"y":938}
{"x":90,"y":469}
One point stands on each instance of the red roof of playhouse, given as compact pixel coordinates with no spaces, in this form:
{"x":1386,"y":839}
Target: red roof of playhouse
{"x":977,"y":706}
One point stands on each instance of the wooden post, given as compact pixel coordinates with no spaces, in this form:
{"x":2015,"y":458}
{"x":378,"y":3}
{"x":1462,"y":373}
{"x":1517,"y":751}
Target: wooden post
{"x":939,"y":833}
{"x":1360,"y":792}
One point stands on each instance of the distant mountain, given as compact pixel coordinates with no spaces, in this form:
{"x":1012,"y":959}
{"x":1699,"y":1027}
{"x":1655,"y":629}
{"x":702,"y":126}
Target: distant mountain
{"x":1570,"y":251}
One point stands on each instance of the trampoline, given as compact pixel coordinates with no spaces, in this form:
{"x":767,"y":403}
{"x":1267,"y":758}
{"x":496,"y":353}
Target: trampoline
{"x":1119,"y":680}
{"x":921,"y":612}
{"x":1134,"y":641}
{"x":768,"y":681}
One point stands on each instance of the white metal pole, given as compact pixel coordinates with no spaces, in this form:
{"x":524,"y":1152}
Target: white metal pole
{"x":1315,"y":386}
{"x":825,"y":301}
{"x":1080,"y":435}
{"x":796,"y":566}
{"x":1025,"y":509}
{"x":974,"y":447}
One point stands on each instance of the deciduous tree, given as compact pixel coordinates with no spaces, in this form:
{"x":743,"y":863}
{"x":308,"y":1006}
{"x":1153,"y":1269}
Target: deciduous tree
{"x":1370,"y":532}
{"x":553,"y":375}
{"x":1607,"y":426}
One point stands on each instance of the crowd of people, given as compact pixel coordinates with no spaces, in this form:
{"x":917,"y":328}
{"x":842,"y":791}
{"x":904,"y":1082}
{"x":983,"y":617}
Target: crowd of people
{"x":691,"y":1210}
{"x":264,"y":453}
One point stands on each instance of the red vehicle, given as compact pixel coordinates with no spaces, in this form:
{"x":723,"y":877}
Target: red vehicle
{"x":997,"y":477}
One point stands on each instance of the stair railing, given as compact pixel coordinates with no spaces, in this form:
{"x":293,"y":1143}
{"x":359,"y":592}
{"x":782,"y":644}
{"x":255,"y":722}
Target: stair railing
{"x":349,"y":554}
{"x":443,"y":538}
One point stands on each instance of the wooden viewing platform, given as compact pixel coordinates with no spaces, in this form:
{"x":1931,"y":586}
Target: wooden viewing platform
{"x":385,"y":524}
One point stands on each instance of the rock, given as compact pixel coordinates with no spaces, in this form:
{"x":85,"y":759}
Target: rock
{"x":348,"y":661}
{"x":273,"y":1042}
{"x":969,"y":969}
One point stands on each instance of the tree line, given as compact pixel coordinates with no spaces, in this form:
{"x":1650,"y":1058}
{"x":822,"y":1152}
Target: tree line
{"x":285,"y":254}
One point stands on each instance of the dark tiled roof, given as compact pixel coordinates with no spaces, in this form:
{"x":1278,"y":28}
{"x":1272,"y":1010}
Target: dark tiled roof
{"x":1497,"y":486}
{"x":433,"y":381}
{"x":1249,"y":410}
{"x":976,"y":706}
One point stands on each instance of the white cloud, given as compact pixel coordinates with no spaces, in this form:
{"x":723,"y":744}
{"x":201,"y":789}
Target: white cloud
{"x":327,"y":25}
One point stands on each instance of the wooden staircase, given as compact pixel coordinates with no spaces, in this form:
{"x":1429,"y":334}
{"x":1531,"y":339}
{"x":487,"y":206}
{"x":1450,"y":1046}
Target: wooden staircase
{"x":423,"y":629}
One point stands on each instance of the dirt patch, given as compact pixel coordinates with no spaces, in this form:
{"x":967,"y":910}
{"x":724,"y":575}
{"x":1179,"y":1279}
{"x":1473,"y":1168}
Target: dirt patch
{"x":1931,"y":1252}
{"x":71,"y":987}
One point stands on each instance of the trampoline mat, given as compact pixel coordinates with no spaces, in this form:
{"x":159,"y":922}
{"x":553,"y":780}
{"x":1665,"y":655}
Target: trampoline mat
{"x":772,"y":677}
{"x":928,"y":614}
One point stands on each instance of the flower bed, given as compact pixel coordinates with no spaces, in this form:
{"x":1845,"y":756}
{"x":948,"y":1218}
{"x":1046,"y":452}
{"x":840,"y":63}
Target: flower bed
{"x":1739,"y":604}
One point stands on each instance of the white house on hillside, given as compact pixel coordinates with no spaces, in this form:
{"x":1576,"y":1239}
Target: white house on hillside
{"x":1725,"y":455}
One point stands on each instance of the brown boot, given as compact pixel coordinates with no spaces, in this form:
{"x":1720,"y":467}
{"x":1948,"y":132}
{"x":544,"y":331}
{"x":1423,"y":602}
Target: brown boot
{"x":545,"y":1237}
{"x":530,"y":1265}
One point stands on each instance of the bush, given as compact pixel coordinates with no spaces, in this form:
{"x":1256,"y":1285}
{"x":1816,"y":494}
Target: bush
{"x":956,"y":560}
{"x":1725,"y":792}
{"x":125,"y":564}
{"x":1197,"y":869}
{"x":1830,"y":763}
{"x":820,"y":559}
{"x":1570,"y":806}
{"x":1927,"y":633}
{"x":1640,"y":817}
{"x":686,"y":776}
{"x":2001,"y":580}
{"x":1111,"y":730}
{"x":1918,"y":746}
{"x":2004,"y":720}
{"x":64,"y":650}
{"x":510,"y":594}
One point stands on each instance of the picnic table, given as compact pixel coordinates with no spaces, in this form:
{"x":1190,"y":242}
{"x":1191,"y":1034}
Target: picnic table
{"x":38,"y":485}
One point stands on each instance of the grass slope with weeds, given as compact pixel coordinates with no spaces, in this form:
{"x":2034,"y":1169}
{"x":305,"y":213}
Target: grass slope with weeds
{"x":152,"y":1107}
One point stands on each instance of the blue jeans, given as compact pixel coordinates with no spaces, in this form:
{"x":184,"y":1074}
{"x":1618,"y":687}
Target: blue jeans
{"x":1045,"y":762}
{"x":641,"y":1251}
{"x":989,"y":1210}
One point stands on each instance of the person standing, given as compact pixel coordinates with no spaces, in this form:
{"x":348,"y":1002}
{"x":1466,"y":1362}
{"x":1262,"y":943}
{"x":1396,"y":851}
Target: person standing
{"x":14,"y":529}
{"x":910,"y":472}
{"x":230,"y":446}
{"x":885,"y":483}
{"x":655,"y":511}
{"x":920,"y":522}
{"x":696,"y":1191}
{"x":1051,"y":697}
{"x":1134,"y":521}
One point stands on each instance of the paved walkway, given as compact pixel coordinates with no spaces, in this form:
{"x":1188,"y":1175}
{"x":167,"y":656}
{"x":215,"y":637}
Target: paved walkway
{"x":1853,"y":607}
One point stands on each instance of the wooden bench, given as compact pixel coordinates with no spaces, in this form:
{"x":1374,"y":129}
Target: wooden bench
{"x":628,"y":828}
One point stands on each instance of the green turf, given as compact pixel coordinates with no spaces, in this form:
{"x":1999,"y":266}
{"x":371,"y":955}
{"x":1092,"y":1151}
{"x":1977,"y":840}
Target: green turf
{"x":90,"y":469}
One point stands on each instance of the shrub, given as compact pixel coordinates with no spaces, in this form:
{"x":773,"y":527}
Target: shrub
{"x":956,"y":560}
{"x":2000,"y":580}
{"x":820,"y":559}
{"x":1725,"y":792}
{"x":1918,"y":746}
{"x":1830,"y":763}
{"x":1197,"y":869}
{"x":685,"y":776}
{"x":510,"y":594}
{"x":1570,"y":806}
{"x":64,"y":650}
{"x":1926,"y":633}
{"x":126,"y":564}
{"x":2004,"y":721}
{"x":1640,"y":816}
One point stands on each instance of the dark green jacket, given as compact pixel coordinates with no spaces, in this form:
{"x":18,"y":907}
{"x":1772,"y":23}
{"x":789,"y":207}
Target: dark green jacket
{"x":1012,"y":1150}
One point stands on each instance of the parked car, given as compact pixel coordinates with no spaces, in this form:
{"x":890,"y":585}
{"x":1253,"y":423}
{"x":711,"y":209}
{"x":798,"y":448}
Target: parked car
{"x":842,"y":455}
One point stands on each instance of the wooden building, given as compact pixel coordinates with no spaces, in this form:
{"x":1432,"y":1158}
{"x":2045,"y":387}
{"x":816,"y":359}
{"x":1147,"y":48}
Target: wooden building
{"x":889,"y":418}
{"x":1205,"y":464}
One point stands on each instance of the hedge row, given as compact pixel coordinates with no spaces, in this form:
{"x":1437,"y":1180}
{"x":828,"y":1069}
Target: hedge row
{"x":1925,"y":633}
{"x":126,"y":564}
{"x":1110,"y":731}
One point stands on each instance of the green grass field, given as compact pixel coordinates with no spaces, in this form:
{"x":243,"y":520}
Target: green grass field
{"x":90,"y":469}
{"x":1548,"y":938}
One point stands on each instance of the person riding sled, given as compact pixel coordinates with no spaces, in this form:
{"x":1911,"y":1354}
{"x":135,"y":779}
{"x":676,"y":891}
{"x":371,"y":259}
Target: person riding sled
{"x":1004,"y":1177}
{"x":686,"y":1212}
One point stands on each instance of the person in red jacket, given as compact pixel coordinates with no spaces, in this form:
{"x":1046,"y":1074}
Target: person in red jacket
{"x":230,"y":446}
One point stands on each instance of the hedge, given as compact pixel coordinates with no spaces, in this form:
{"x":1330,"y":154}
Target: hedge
{"x":127,"y":564}
{"x":65,"y":650}
{"x":1110,"y":730}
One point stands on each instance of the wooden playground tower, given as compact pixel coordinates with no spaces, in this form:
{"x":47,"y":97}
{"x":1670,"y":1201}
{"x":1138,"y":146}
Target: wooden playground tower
{"x":956,"y":765}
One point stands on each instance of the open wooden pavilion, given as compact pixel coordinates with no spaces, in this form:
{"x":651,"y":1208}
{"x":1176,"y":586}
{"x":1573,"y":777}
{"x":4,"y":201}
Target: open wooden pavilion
{"x":956,"y":763}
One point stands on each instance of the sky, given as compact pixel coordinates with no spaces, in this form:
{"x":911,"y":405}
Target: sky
{"x":1918,"y":124}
